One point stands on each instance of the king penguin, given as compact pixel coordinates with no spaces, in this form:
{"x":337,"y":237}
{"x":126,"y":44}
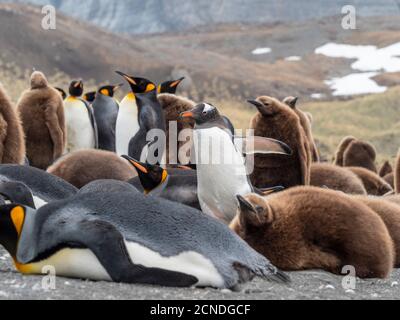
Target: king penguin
{"x":221,"y":169}
{"x":89,"y":96}
{"x":62,"y":92}
{"x":157,"y":181}
{"x":81,"y":125}
{"x":169,"y":86}
{"x":45,"y":188}
{"x":42,"y":114}
{"x":106,"y":113}
{"x":150,"y":116}
{"x":127,"y":237}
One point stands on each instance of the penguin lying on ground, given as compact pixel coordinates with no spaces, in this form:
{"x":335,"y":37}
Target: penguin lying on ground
{"x":390,"y":214}
{"x":42,"y":114}
{"x":127,"y":237}
{"x":356,"y":153}
{"x":81,"y":124}
{"x":82,"y":167}
{"x":306,"y":124}
{"x":45,"y":188}
{"x":311,"y":228}
{"x":12,"y":143}
{"x":106,"y":113}
{"x":16,"y":192}
{"x":169,"y":86}
{"x":221,"y":169}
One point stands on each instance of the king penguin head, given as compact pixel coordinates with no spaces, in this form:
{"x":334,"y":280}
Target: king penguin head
{"x":138,"y":85}
{"x":169,"y":86}
{"x":151,"y":176}
{"x":76,"y":88}
{"x":109,"y":90}
{"x":89,"y":96}
{"x":12,"y":218}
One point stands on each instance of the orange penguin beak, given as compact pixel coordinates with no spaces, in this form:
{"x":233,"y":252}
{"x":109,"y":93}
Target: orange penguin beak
{"x":126,"y":77}
{"x":186,"y":115}
{"x":138,"y":165}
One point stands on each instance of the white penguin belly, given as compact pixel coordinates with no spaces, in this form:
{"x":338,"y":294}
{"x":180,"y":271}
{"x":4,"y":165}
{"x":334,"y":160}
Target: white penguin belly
{"x":127,"y":125}
{"x":189,"y":262}
{"x":221,"y":178}
{"x":80,"y":133}
{"x":71,"y":263}
{"x":83,"y":264}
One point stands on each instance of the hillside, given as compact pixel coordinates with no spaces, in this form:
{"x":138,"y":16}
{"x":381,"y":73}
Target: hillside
{"x":375,"y":118}
{"x":156,"y":16}
{"x":218,"y":63}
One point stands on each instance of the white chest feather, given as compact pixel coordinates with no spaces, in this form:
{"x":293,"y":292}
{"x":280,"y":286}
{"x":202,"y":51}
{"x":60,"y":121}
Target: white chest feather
{"x":79,"y":127}
{"x":221,"y":173}
{"x":38,"y":202}
{"x":83,"y":264}
{"x":127,"y":124}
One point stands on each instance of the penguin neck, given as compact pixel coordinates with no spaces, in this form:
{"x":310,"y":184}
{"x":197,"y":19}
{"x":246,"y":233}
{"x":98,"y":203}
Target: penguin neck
{"x":130,"y":97}
{"x":160,"y":188}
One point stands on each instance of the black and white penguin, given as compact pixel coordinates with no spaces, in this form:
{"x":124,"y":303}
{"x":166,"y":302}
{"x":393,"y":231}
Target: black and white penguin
{"x":45,"y":188}
{"x":106,"y":113}
{"x":159,"y":182}
{"x":127,"y":121}
{"x":130,"y":238}
{"x":150,"y":117}
{"x":62,"y":92}
{"x":89,"y":96}
{"x":169,"y":86}
{"x":221,"y":168}
{"x":79,"y":116}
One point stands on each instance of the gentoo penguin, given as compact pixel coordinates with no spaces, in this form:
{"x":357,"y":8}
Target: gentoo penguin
{"x":306,"y":124}
{"x":62,"y":92}
{"x":172,"y":184}
{"x":81,"y":125}
{"x":157,"y":181}
{"x":169,"y":86}
{"x":310,"y":228}
{"x":42,"y":114}
{"x":82,"y":167}
{"x":45,"y":188}
{"x":221,"y":169}
{"x":106,"y":113}
{"x":276,"y":120}
{"x":12,"y":143}
{"x":150,"y":116}
{"x":127,"y":237}
{"x":89,"y":96}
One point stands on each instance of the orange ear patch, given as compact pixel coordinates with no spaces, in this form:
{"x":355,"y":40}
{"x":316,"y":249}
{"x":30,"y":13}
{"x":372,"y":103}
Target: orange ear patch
{"x":150,"y":87}
{"x":18,"y":217}
{"x":104,"y":92}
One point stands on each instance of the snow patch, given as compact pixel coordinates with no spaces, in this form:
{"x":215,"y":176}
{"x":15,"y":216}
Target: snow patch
{"x":260,"y":51}
{"x":293,"y":58}
{"x":370,"y":60}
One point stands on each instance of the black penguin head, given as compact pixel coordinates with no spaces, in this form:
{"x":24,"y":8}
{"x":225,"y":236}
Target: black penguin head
{"x":76,"y":88}
{"x":62,"y":92}
{"x":169,"y":86}
{"x":89,"y":96}
{"x":151,"y":176}
{"x":12,"y":218}
{"x":138,"y":85}
{"x":202,"y":114}
{"x":109,"y":90}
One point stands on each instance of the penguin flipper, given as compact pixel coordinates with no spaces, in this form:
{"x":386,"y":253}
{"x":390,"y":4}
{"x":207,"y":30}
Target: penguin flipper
{"x":93,"y":122}
{"x":108,"y":245}
{"x":137,"y":144}
{"x":260,"y":145}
